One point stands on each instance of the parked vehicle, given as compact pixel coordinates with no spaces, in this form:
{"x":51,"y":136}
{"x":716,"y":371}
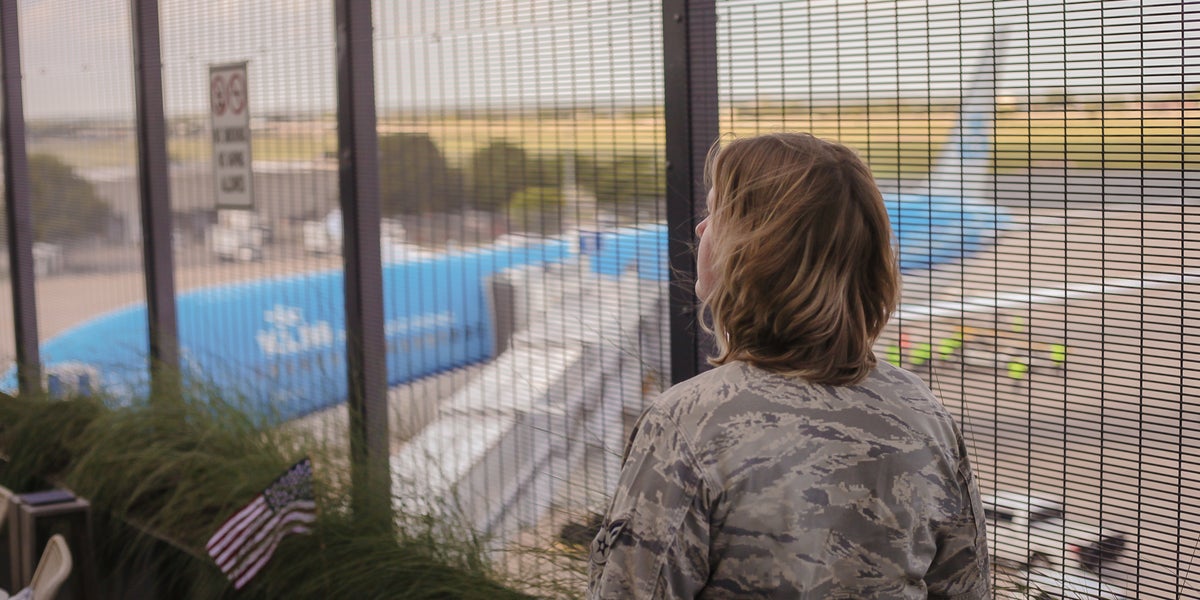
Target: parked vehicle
{"x":1071,"y":583}
{"x":238,"y":235}
{"x":47,"y":258}
{"x":324,"y":236}
{"x":1027,"y":531}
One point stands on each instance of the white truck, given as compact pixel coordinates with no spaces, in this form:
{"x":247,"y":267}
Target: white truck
{"x":238,"y":235}
{"x":325,"y":236}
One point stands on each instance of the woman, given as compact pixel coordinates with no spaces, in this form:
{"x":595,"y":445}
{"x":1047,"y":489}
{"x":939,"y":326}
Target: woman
{"x":799,"y":467}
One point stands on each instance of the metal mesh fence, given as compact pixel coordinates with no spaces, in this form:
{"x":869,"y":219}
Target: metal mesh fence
{"x":1037,"y":160}
{"x":1037,"y":163}
{"x":521,"y":154}
{"x":79,"y":109}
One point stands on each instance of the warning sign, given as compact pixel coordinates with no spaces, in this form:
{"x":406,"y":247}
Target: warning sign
{"x":231,"y":136}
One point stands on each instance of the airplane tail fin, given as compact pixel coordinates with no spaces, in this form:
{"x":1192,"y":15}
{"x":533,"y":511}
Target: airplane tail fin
{"x":964,"y":166}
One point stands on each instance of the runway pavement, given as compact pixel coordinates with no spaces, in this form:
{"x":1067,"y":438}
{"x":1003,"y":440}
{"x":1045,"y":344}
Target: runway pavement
{"x":1114,"y":430}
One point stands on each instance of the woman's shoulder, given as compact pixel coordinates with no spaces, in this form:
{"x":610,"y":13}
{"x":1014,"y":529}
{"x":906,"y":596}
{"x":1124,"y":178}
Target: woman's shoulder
{"x":894,"y":385}
{"x":701,"y":394}
{"x":733,"y":394}
{"x":902,"y":394}
{"x":887,"y":374}
{"x":736,"y":391}
{"x":712,"y":384}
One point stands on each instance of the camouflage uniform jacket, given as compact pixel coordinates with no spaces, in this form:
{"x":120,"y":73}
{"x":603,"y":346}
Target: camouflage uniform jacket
{"x":743,"y":483}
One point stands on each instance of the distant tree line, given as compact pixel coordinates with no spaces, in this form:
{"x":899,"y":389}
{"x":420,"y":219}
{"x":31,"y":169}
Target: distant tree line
{"x":416,"y":178}
{"x":63,"y":205}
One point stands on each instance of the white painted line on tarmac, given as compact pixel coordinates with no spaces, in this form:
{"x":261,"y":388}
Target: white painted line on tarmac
{"x":1079,"y":291}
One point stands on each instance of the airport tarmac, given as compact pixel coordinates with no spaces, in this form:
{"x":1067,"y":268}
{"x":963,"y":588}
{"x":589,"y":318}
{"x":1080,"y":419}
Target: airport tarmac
{"x":1115,"y":430}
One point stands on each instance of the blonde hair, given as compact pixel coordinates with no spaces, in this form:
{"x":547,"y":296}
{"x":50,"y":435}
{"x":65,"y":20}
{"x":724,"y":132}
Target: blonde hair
{"x":804,"y":276}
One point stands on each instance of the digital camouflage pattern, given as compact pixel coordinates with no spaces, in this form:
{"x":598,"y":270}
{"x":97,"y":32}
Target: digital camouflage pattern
{"x":743,"y":483}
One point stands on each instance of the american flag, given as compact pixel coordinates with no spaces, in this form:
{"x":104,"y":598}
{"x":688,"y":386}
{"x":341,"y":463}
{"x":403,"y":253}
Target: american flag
{"x":245,"y":542}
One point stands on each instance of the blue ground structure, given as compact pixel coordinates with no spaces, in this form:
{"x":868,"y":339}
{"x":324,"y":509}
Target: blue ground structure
{"x":937,"y":230}
{"x":280,"y":342}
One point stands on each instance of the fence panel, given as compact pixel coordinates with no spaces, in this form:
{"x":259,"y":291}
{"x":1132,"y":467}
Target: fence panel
{"x":521,"y":152}
{"x":1038,"y":164}
{"x":77,"y":67}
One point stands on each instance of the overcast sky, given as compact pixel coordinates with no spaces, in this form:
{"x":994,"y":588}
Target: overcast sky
{"x":449,"y":53}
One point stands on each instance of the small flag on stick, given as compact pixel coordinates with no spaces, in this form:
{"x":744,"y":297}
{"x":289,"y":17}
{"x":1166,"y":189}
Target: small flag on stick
{"x":245,"y":542}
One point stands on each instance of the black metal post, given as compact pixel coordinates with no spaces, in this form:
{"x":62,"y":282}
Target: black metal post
{"x":358,"y":183}
{"x":18,"y":208}
{"x":690,"y":79}
{"x":155,"y":198}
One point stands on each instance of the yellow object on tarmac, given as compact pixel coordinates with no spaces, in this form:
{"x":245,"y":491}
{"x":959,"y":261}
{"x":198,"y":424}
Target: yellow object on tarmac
{"x":921,"y":353}
{"x":948,"y":346}
{"x":1017,"y":369}
{"x":1018,"y":324}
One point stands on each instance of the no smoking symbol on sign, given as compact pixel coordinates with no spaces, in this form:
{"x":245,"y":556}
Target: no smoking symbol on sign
{"x":233,"y":176}
{"x":229,"y":95}
{"x":220,"y":95}
{"x":237,"y":93}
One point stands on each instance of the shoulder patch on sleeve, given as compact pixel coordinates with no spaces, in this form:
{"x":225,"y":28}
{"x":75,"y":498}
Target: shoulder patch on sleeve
{"x":607,"y":536}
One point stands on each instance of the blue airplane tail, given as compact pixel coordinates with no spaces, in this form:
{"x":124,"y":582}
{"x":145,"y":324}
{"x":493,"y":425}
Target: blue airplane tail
{"x":965,"y":165}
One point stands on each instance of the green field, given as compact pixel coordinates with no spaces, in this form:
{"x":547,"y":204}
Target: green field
{"x":893,"y":142}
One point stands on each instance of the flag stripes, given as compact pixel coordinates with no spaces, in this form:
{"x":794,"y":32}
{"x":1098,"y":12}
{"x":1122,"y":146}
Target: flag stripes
{"x":235,"y":525}
{"x":244,"y":544}
{"x":253,"y":559}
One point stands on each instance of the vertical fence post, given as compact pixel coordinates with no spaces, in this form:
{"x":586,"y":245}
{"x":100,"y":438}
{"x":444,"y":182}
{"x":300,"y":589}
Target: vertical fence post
{"x":358,"y":184}
{"x":18,"y":208}
{"x":690,"y":110}
{"x":155,"y":199}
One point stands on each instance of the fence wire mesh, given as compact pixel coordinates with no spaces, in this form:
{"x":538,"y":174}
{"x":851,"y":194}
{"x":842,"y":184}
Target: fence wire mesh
{"x":1038,"y":161}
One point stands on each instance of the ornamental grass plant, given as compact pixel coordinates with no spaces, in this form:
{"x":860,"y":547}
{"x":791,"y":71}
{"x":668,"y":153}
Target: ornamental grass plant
{"x":162,"y":475}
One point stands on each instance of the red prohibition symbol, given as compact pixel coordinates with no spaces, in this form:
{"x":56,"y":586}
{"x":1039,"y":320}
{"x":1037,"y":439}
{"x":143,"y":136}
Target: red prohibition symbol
{"x":237,"y":93}
{"x":220,"y":95}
